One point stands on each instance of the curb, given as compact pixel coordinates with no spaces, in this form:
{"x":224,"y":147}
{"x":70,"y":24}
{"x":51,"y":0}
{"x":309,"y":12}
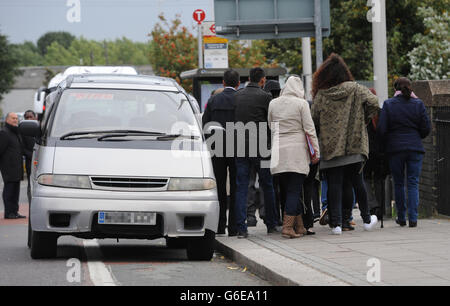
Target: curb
{"x":256,"y":268}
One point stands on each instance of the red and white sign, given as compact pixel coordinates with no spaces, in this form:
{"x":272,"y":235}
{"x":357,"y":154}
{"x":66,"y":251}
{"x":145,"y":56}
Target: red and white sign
{"x":199,"y":15}
{"x":213,"y":28}
{"x":209,"y":28}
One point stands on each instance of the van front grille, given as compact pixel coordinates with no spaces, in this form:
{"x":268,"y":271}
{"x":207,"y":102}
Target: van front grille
{"x":128,"y":183}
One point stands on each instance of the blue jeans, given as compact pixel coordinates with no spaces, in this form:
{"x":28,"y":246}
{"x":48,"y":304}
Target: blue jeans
{"x":323,"y":197}
{"x":412,"y":161}
{"x":266,"y":183}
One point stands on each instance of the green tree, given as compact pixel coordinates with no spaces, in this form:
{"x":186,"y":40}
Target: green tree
{"x":27,"y":54}
{"x":126,"y":52}
{"x":63,"y":38}
{"x":87,"y":52}
{"x":57,"y":55}
{"x":351,"y":37}
{"x":8,"y":66}
{"x":245,"y":55}
{"x":173,"y":49}
{"x":429,"y":60}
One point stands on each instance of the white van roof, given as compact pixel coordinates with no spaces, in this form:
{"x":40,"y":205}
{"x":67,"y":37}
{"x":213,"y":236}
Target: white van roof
{"x":54,"y":82}
{"x":100,"y":70}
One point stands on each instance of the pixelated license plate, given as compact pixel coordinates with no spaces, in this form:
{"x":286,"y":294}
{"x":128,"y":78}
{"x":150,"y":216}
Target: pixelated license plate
{"x":126,"y":218}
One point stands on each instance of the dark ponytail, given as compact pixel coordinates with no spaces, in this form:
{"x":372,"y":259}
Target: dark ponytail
{"x":404,"y":85}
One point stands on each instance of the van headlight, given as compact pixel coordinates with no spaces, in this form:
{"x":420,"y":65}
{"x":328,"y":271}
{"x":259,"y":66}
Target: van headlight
{"x":65,"y":181}
{"x":191,"y":184}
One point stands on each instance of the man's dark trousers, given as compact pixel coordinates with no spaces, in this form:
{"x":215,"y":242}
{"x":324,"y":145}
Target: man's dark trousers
{"x":243,"y":165}
{"x":11,"y":191}
{"x":221,"y":166}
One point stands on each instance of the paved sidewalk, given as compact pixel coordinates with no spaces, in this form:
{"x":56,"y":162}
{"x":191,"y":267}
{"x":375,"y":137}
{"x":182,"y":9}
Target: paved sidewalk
{"x":407,"y":256}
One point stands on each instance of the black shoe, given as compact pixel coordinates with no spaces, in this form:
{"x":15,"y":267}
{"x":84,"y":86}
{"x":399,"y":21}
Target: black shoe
{"x":309,"y":232}
{"x":241,"y":235}
{"x":11,"y":216}
{"x":401,"y":223}
{"x":412,"y":223}
{"x":232,"y":234}
{"x":19,"y":216}
{"x":347,"y":228}
{"x":220,"y":234}
{"x":273,"y":230}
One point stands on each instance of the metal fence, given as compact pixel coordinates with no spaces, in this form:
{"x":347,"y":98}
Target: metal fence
{"x":443,"y":161}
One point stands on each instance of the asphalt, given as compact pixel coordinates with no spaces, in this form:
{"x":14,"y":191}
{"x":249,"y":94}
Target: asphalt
{"x":389,"y":256}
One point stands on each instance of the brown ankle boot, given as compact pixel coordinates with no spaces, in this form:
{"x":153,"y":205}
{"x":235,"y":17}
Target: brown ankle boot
{"x":298,"y":225}
{"x":288,"y":227}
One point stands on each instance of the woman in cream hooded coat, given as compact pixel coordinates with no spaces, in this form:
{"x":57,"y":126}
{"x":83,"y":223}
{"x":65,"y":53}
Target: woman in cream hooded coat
{"x":290,"y":120}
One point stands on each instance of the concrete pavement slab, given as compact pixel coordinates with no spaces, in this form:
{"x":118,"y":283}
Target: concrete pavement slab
{"x":407,"y":256}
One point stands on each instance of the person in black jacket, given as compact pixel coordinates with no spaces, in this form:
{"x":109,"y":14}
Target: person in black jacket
{"x":220,"y":110}
{"x":11,"y":165}
{"x":252,"y":104}
{"x":28,"y":145}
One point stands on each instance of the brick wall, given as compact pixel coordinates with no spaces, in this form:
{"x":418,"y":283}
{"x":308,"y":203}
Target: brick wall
{"x":436,"y":96}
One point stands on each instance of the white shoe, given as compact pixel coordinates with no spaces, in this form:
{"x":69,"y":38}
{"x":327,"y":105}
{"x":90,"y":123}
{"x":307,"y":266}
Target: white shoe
{"x":336,"y":230}
{"x":371,"y":225}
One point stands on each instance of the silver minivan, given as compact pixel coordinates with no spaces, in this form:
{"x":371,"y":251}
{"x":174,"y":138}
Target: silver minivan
{"x":121,"y":156}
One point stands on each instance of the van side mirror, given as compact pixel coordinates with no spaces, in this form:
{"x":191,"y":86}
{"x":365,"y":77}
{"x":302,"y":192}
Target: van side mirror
{"x":30,"y":128}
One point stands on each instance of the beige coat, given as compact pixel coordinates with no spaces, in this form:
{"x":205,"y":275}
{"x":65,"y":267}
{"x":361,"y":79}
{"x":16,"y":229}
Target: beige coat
{"x":290,"y":117}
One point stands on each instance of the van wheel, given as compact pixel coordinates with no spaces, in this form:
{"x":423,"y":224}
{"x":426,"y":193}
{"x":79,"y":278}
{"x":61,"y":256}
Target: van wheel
{"x":201,"y":248}
{"x":176,"y":243}
{"x":43,"y":245}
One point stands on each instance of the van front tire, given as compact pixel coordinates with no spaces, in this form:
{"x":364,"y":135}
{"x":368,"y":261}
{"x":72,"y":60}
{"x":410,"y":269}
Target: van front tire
{"x":43,"y":245}
{"x":201,"y":248}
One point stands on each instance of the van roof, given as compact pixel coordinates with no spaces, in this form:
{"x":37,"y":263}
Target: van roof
{"x":122,"y":81}
{"x":58,"y":78}
{"x":100,"y":69}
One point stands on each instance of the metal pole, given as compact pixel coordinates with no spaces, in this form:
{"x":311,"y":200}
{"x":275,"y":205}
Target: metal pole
{"x":380,"y":69}
{"x":200,"y":47}
{"x":318,"y":26}
{"x":307,"y":66}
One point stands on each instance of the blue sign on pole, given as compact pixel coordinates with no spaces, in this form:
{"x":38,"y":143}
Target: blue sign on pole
{"x":269,"y":19}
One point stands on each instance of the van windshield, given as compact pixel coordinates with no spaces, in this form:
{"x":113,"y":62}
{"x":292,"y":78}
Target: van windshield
{"x":105,"y":110}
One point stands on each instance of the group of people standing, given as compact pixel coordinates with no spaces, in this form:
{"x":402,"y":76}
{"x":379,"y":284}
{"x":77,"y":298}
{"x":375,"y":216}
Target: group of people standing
{"x":330,"y":136}
{"x":13,"y":149}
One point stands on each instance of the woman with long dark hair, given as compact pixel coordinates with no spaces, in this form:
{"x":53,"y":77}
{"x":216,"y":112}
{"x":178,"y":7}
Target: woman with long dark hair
{"x":341,"y":110}
{"x":403,"y":124}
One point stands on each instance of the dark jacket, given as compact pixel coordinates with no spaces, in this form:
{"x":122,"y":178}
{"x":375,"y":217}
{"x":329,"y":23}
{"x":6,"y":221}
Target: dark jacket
{"x":220,"y":109}
{"x":402,"y":125}
{"x":11,"y":160}
{"x":28,"y":146}
{"x":252,"y":105}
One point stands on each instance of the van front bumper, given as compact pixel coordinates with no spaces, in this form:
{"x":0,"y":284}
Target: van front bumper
{"x":172,"y":211}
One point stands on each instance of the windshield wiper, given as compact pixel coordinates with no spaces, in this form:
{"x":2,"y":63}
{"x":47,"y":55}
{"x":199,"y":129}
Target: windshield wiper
{"x":110,"y":132}
{"x":129,"y":133}
{"x":173,"y":136}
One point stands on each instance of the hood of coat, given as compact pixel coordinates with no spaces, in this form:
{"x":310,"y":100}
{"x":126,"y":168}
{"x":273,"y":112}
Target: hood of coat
{"x":340,"y":92}
{"x":294,"y":87}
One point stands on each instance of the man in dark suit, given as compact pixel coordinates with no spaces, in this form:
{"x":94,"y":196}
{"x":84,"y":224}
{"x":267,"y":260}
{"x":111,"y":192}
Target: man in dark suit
{"x":252,"y":104}
{"x":220,"y":110}
{"x":11,"y":165}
